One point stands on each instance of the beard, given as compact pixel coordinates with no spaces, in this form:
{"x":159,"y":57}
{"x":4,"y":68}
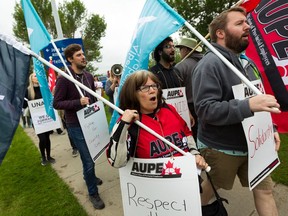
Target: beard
{"x":168,"y":58}
{"x":81,"y":66}
{"x":236,"y":44}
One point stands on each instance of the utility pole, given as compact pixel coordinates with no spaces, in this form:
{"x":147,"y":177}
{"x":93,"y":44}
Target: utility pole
{"x":57,"y":20}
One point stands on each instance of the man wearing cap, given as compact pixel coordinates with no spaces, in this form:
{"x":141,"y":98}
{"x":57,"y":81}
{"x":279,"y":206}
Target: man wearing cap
{"x":186,"y":67}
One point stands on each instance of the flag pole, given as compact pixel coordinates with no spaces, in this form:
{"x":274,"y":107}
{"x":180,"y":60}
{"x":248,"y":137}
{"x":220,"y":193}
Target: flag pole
{"x":90,"y":91}
{"x":56,"y":20}
{"x":208,"y":35}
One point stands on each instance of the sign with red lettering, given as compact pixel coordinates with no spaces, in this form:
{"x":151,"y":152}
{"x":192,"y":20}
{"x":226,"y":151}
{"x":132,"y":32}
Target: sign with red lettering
{"x":160,"y":187}
{"x":262,"y":156}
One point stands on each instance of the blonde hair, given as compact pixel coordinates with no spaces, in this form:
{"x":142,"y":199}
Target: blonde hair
{"x":31,"y":91}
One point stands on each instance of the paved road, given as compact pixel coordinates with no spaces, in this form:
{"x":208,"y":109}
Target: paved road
{"x":70,"y":170}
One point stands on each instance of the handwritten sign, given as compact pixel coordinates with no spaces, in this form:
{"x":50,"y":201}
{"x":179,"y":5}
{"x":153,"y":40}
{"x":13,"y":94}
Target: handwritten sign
{"x":94,"y":125}
{"x":177,"y":98}
{"x":160,"y":187}
{"x":41,"y":121}
{"x":263,"y":157}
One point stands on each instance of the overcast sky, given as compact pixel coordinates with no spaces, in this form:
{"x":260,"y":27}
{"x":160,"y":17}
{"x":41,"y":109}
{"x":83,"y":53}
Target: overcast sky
{"x":120,"y":15}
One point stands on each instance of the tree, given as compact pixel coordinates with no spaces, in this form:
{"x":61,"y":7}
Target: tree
{"x":73,"y":19}
{"x":199,"y":13}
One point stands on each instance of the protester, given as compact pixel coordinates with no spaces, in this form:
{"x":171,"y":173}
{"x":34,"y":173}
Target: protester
{"x":220,"y":134}
{"x":67,"y":97}
{"x":141,"y":99}
{"x":44,"y":138}
{"x":25,"y":115}
{"x":62,"y":132}
{"x":164,"y":55}
{"x":111,"y":84}
{"x":98,"y":86}
{"x":186,"y":67}
{"x":97,"y":83}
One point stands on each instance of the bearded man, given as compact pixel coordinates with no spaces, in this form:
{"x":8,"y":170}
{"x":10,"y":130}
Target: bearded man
{"x":164,"y":55}
{"x":221,"y":136}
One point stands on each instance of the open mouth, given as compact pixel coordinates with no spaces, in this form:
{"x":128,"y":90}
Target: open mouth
{"x":246,"y":35}
{"x":153,"y":99}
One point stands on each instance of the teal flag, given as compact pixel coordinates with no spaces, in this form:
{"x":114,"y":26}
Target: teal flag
{"x":156,"y":22}
{"x":39,"y":38}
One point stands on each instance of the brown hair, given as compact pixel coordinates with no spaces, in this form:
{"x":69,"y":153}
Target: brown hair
{"x":70,"y":50}
{"x":128,"y":95}
{"x":220,"y":21}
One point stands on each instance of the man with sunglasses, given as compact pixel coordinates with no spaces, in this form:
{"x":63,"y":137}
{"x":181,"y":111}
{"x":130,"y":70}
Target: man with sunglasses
{"x":164,"y":55}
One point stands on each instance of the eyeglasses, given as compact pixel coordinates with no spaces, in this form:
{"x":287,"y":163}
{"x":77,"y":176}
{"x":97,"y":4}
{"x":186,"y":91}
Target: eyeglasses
{"x":168,"y":46}
{"x":146,"y":88}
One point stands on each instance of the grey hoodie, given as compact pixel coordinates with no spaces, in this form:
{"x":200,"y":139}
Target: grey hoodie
{"x":219,"y":114}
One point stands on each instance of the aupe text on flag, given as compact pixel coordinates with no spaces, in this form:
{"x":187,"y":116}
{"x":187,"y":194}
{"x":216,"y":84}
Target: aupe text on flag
{"x":268,"y":49}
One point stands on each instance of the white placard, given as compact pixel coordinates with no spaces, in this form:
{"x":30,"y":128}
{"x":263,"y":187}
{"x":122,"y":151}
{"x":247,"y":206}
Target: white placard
{"x":41,"y":121}
{"x":99,"y":91}
{"x":160,"y":187}
{"x":94,"y":125}
{"x":263,"y":157}
{"x":177,"y":98}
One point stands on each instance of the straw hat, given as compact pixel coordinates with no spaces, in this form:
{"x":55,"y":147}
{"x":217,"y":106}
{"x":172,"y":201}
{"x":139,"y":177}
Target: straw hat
{"x":190,"y":43}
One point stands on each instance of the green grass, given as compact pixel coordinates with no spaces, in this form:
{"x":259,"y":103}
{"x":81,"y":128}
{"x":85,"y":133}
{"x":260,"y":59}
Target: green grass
{"x":280,"y":174}
{"x":27,"y":188}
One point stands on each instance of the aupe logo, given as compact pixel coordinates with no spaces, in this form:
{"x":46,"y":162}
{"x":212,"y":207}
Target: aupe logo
{"x":156,"y":170}
{"x":174,"y":94}
{"x":91,"y":110}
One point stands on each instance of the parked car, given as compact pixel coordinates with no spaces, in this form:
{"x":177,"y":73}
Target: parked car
{"x":103,"y":79}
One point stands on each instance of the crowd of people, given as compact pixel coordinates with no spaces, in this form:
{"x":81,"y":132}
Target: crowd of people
{"x":216,"y":137}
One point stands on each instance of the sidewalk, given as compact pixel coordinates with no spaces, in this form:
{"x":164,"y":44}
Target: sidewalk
{"x":70,"y":170}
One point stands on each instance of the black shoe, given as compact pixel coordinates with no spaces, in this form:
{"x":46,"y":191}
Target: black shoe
{"x":51,"y":160}
{"x":97,"y":201}
{"x":99,"y":181}
{"x":75,"y":153}
{"x":44,"y":162}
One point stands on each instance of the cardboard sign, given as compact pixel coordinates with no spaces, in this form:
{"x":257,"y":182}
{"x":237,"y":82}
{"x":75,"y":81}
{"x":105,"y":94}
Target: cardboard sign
{"x":160,"y":187}
{"x":263,"y":158}
{"x":177,"y":98}
{"x":41,"y":121}
{"x":94,"y":125}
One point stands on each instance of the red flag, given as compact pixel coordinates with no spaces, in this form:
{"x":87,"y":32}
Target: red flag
{"x":51,"y":77}
{"x":250,"y":5}
{"x":268,"y":49}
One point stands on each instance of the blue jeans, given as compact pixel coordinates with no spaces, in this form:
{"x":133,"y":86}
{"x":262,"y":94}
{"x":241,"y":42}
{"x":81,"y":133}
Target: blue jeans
{"x":76,"y":134}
